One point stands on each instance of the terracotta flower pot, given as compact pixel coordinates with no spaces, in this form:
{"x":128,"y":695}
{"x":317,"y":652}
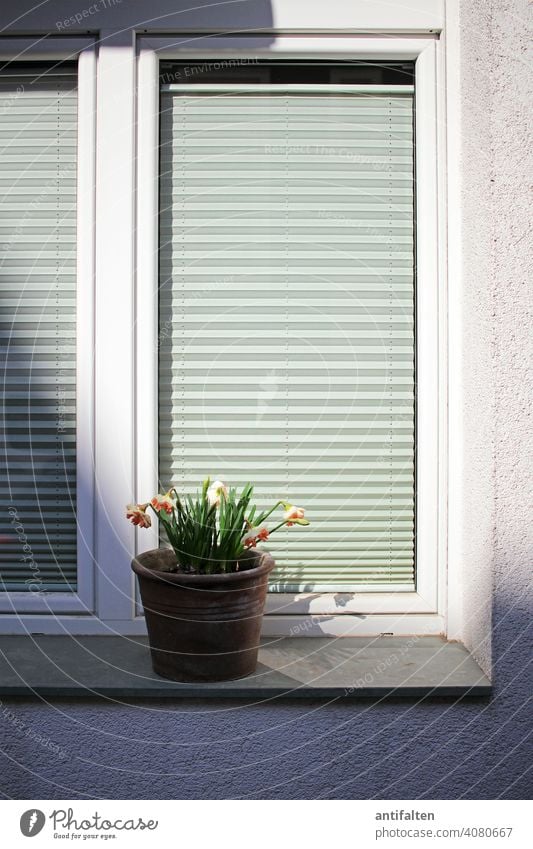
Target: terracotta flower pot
{"x":203,"y":627}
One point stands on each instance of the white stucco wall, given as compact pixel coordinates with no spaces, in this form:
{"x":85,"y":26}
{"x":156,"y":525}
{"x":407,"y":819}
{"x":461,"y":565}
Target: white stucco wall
{"x":491,"y":540}
{"x":511,"y":276}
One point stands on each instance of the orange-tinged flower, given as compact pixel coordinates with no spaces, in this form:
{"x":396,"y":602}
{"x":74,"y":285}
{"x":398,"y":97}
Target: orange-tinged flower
{"x":254,"y":535}
{"x":163,"y":502}
{"x":249,"y":539}
{"x":138,"y":515}
{"x":294,"y":515}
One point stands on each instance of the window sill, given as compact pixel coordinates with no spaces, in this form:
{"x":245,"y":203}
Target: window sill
{"x":298,"y":667}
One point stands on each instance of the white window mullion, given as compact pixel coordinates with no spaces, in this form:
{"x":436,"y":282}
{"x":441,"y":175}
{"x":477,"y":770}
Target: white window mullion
{"x":114,"y":353}
{"x":431,"y":391}
{"x":86,"y":226}
{"x":146,"y":288}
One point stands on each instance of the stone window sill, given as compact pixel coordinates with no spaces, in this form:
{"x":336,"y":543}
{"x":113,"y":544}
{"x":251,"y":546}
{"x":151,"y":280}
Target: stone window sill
{"x":298,"y":667}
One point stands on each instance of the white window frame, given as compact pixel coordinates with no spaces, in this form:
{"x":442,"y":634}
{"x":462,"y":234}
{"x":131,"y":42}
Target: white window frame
{"x":80,"y":602}
{"x":117,"y":344}
{"x":364,"y":611}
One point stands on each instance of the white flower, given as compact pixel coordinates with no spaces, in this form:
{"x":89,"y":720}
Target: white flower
{"x":215,"y":491}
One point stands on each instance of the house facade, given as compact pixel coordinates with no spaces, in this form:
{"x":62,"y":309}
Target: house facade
{"x":459,"y":68}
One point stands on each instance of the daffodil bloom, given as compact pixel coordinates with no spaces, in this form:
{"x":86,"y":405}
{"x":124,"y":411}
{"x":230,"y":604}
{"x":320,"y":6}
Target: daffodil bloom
{"x":215,"y":491}
{"x":138,"y":516}
{"x":249,"y":539}
{"x":294,"y":515}
{"x":255,"y":535}
{"x":163,"y":502}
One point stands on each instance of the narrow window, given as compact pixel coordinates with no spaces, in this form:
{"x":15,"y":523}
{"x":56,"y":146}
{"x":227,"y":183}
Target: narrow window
{"x":286,"y":329}
{"x":38,"y":120}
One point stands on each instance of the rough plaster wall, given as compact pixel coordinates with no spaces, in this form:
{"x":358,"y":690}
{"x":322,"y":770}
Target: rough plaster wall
{"x":512,"y":160}
{"x":397,"y":749}
{"x":302,"y":751}
{"x":496,"y":286}
{"x":477,"y":368}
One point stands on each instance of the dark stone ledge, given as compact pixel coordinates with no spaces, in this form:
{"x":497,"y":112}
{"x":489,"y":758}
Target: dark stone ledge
{"x":299,"y":667}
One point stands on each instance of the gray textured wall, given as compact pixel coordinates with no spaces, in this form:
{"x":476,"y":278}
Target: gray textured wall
{"x":395,"y":749}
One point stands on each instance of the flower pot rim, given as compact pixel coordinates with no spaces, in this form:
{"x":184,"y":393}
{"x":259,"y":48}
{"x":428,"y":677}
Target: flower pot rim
{"x":266,"y":564}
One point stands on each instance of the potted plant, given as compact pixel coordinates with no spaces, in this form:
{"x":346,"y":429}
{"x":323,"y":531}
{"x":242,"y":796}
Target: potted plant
{"x":204,"y":596}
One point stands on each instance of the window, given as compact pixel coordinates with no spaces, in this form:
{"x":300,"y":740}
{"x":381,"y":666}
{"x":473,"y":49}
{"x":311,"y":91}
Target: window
{"x":171,"y":73}
{"x":286,"y":308}
{"x":46,"y":328}
{"x":231,"y":249}
{"x":38,"y":127}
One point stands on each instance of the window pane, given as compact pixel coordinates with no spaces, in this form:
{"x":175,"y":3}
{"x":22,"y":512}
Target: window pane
{"x":287,"y":315}
{"x":38,"y":125}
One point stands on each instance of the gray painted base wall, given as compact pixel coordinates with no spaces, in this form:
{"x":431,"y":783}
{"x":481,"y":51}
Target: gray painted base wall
{"x":398,"y":749}
{"x":304,"y":751}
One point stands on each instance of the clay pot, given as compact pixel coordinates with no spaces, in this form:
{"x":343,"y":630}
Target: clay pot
{"x":203,"y":627}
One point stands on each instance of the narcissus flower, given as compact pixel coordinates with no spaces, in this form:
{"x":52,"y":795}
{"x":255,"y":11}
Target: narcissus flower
{"x":294,"y":515}
{"x":249,"y":539}
{"x":215,"y":491}
{"x":254,"y":535}
{"x":138,"y":516}
{"x":163,"y":502}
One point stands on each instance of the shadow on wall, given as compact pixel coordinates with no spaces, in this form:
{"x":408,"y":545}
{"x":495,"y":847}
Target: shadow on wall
{"x":67,"y":18}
